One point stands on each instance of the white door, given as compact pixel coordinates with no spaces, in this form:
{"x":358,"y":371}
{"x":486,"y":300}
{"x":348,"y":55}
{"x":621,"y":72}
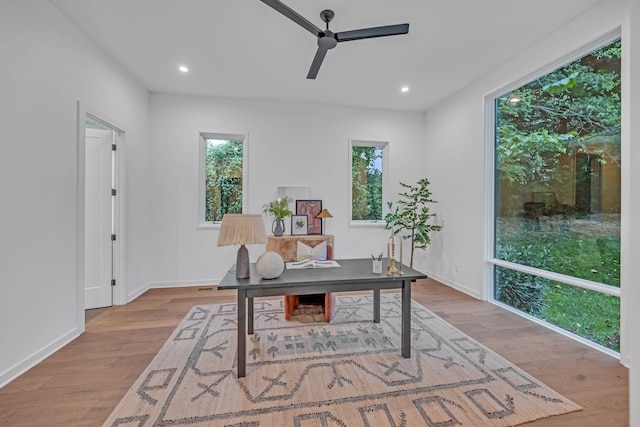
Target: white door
{"x":98,"y":254}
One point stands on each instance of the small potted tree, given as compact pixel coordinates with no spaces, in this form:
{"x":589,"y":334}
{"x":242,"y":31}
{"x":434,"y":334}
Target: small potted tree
{"x":410,"y":215}
{"x":279,"y":210}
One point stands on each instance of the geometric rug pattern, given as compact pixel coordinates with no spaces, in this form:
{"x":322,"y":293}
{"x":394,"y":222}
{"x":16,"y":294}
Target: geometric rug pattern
{"x":345,"y":373}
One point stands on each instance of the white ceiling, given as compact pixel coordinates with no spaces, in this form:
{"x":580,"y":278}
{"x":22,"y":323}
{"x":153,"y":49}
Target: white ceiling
{"x":245,"y":49}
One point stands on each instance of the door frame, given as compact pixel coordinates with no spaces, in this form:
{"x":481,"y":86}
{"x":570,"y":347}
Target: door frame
{"x":119,"y":295}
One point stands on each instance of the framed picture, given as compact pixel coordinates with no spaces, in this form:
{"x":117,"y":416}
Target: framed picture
{"x":310,"y":208}
{"x":298,"y":225}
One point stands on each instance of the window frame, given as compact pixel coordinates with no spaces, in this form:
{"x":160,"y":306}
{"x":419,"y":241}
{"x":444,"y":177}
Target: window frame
{"x":202,"y":185}
{"x":384,"y":145}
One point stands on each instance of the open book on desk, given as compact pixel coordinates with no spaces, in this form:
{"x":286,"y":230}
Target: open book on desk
{"x":311,"y":263}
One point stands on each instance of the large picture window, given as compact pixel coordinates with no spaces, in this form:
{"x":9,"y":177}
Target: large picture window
{"x":557,"y":197}
{"x":368,"y":169}
{"x":222,"y":176}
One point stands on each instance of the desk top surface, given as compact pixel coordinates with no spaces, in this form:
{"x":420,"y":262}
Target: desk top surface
{"x":350,"y":271}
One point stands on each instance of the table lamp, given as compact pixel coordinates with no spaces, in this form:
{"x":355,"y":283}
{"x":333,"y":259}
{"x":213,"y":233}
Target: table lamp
{"x":242,"y":229}
{"x":324,"y":214}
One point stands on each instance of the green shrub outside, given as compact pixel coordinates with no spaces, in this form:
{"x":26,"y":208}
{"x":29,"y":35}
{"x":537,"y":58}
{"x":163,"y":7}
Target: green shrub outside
{"x":517,"y":289}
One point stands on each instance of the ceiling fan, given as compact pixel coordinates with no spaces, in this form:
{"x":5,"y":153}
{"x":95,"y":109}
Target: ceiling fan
{"x":327,"y":39}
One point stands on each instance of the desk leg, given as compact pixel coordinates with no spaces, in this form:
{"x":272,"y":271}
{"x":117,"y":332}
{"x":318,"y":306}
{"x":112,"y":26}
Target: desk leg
{"x":250,"y":315}
{"x":376,"y":306}
{"x":405,"y":341}
{"x":242,"y":331}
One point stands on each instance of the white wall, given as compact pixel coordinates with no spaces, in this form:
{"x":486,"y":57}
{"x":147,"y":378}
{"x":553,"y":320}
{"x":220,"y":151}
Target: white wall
{"x":455,"y":136}
{"x":48,"y":65}
{"x":631,"y":184}
{"x":455,"y":161}
{"x":289,"y":145}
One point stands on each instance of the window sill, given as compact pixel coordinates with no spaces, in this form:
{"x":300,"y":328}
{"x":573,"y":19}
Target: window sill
{"x":208,"y":225}
{"x":367,"y":224}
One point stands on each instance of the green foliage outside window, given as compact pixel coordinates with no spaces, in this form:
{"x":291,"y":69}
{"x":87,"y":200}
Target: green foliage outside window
{"x":223,"y":175}
{"x":366,"y":179}
{"x":559,"y":113}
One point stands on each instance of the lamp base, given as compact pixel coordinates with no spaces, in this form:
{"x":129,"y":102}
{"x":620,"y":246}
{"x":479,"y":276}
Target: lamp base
{"x":242,"y":263}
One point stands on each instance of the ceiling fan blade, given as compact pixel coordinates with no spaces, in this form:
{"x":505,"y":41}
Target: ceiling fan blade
{"x":293,"y":15}
{"x":317,"y":61}
{"x":367,"y":33}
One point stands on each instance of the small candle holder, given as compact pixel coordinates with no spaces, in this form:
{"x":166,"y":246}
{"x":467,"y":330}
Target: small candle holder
{"x":392,"y":268}
{"x":400,"y":263}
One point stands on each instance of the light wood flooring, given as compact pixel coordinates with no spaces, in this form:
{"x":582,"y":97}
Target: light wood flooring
{"x":92,"y":313}
{"x":82,"y":383}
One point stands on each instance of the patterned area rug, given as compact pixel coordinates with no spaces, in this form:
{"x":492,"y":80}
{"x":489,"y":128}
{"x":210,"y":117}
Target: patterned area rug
{"x":341,"y":374}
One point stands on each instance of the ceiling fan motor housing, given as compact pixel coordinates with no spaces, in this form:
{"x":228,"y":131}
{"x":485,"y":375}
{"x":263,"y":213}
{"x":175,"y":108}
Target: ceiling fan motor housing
{"x":327,"y":40}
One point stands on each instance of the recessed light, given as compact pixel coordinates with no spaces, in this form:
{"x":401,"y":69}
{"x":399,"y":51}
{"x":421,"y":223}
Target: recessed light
{"x":183,"y":69}
{"x":404,"y":89}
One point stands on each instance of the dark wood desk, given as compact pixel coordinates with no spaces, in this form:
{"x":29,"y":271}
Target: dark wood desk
{"x":352,"y":275}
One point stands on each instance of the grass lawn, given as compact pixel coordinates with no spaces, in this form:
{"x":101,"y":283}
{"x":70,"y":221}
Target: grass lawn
{"x":591,"y":253}
{"x":590,"y":314}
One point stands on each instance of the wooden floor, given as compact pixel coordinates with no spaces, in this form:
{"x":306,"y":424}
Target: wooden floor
{"x":92,"y":313}
{"x":82,"y":383}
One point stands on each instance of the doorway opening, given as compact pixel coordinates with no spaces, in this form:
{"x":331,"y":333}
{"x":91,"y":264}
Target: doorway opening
{"x":588,"y":184}
{"x":100,"y":213}
{"x":99,"y":202}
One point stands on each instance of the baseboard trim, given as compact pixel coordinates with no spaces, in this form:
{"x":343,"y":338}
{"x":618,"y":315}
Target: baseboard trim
{"x":183,"y":284}
{"x":135,"y":294}
{"x":15,"y":371}
{"x":455,"y":285}
{"x":166,"y":285}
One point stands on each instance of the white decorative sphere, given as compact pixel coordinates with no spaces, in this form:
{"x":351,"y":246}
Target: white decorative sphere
{"x":270,"y":265}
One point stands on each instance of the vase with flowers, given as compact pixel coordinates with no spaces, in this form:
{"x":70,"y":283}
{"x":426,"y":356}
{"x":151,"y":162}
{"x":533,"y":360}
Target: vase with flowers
{"x":279,"y":210}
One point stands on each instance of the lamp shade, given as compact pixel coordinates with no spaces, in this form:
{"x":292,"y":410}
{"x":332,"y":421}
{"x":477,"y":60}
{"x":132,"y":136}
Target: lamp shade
{"x":324,"y":214}
{"x":242,"y":229}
